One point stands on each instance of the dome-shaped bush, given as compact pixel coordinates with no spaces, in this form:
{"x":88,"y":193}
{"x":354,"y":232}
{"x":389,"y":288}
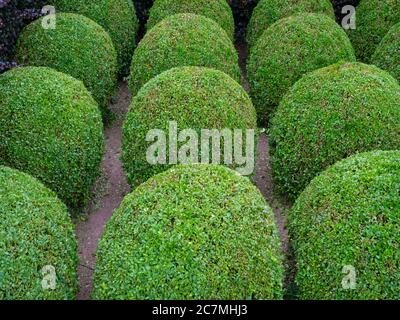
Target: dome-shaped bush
{"x":374,"y":20}
{"x":289,"y":49}
{"x":387,"y":55}
{"x":193,"y":232}
{"x":50,"y":127}
{"x":218,"y":10}
{"x":183,"y":40}
{"x":77,"y":46}
{"x":329,"y":115}
{"x":345,"y":229}
{"x":195,"y":98}
{"x":36,"y":238}
{"x":117,"y":17}
{"x":268,"y":12}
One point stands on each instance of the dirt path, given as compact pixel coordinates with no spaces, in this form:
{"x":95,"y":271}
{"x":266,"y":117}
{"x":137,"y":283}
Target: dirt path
{"x":108,"y":193}
{"x":263,"y":178}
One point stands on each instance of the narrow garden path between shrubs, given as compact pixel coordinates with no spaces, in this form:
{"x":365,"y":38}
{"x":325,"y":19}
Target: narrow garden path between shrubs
{"x":264,"y":181}
{"x":108,"y":193}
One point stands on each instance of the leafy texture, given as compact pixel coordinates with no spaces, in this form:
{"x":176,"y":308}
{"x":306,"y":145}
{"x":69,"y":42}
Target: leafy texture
{"x":117,"y":17}
{"x":194,"y":97}
{"x":193,"y":232}
{"x":218,"y":10}
{"x":329,"y":115}
{"x":289,"y":49}
{"x":77,"y":46}
{"x":35,"y":231}
{"x":183,"y":40}
{"x":374,"y":20}
{"x":50,"y":127}
{"x":387,"y":55}
{"x":349,"y":216}
{"x":268,"y":12}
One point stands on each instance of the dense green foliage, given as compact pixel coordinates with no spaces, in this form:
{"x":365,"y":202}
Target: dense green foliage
{"x":289,"y":49}
{"x":117,"y":17}
{"x":78,"y":47}
{"x":218,"y":10}
{"x":193,"y":232}
{"x":387,"y":55}
{"x":196,"y":98}
{"x":349,"y":216}
{"x":374,"y":20}
{"x":35,"y":231}
{"x":268,"y":12}
{"x":50,"y":127}
{"x":183,"y":40}
{"x":329,"y":115}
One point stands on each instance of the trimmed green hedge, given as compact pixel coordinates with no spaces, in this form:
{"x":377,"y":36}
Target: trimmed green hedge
{"x":268,"y":12}
{"x":196,"y":98}
{"x":218,"y":10}
{"x":51,"y":128}
{"x":118,"y":17}
{"x":193,"y":232}
{"x":349,"y":216}
{"x":289,"y":49}
{"x":329,"y":115}
{"x":387,"y":55}
{"x":35,"y":232}
{"x":182,"y":40}
{"x":374,"y":20}
{"x":77,"y":46}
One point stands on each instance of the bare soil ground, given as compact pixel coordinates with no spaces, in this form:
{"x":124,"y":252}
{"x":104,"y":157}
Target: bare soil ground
{"x":108,"y":193}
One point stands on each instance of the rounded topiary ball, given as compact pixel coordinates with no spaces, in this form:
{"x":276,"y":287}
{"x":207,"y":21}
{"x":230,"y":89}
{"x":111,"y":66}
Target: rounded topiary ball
{"x":218,"y":10}
{"x":268,"y":12}
{"x":193,"y":232}
{"x":77,"y":46}
{"x":374,"y":20}
{"x":329,"y":115}
{"x":387,"y":55}
{"x":346,"y":225}
{"x":183,"y":40}
{"x":117,"y":17}
{"x":195,"y":98}
{"x":289,"y":49}
{"x":51,"y":128}
{"x":37,"y":241}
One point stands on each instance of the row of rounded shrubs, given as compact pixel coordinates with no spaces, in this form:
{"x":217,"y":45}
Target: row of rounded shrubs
{"x":217,"y":102}
{"x":355,"y":107}
{"x":52,"y":128}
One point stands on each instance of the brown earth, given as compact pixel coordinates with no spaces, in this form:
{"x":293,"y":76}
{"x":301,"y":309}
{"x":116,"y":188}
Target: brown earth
{"x":108,"y":193}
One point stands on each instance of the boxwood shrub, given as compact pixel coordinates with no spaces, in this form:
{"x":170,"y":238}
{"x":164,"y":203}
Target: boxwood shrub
{"x":268,"y":12}
{"x":387,"y":55}
{"x":182,"y":40}
{"x":374,"y":20}
{"x":289,"y":49}
{"x":77,"y":46}
{"x":193,"y":232}
{"x":195,"y":98}
{"x":50,"y":127}
{"x":36,"y":234}
{"x":348,"y":217}
{"x":329,"y":115}
{"x":117,"y":17}
{"x":218,"y":10}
